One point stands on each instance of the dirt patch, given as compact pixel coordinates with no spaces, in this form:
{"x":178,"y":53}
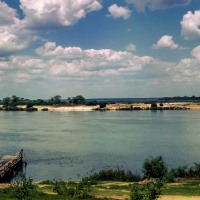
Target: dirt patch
{"x":115,"y":183}
{"x":46,"y":189}
{"x":171,"y":197}
{"x":4,"y":185}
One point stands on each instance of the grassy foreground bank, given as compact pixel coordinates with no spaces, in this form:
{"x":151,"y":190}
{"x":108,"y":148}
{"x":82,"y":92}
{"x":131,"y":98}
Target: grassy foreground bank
{"x":110,"y":190}
{"x":157,"y":182}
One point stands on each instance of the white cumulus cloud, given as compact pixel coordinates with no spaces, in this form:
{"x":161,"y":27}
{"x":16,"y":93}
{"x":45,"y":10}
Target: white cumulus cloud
{"x":196,"y":52}
{"x":166,"y":41}
{"x":119,"y":11}
{"x":90,"y":63}
{"x":130,"y":47}
{"x":187,"y":70}
{"x":56,"y":13}
{"x":50,"y":49}
{"x":67,"y":64}
{"x":14,"y":35}
{"x":157,"y":4}
{"x":7,"y":14}
{"x":191,"y":25}
{"x":10,"y":43}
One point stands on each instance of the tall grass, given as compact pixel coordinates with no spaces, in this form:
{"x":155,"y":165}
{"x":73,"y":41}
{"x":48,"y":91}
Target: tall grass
{"x":113,"y":175}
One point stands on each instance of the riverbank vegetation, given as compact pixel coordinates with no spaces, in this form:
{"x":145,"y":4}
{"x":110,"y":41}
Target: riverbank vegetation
{"x":107,"y":190}
{"x":14,"y":101}
{"x":56,"y":103}
{"x":55,"y":100}
{"x":179,"y":98}
{"x":155,"y":181}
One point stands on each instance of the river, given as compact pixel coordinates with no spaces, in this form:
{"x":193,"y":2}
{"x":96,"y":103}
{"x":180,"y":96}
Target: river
{"x":64,"y":145}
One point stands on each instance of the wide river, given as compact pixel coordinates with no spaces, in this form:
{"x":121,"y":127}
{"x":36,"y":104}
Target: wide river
{"x":71,"y":144}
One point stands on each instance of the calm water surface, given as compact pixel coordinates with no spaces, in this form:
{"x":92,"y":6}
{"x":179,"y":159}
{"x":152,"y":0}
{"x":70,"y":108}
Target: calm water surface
{"x":70,"y":144}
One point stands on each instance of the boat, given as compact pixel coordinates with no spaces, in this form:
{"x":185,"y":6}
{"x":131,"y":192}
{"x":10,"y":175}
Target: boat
{"x":10,"y":164}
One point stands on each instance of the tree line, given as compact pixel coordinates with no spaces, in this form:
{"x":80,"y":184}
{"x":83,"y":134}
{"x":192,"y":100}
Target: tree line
{"x":179,"y":98}
{"x":14,"y":101}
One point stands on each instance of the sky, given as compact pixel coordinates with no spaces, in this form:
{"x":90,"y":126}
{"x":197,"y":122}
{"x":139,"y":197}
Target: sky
{"x":99,"y":48}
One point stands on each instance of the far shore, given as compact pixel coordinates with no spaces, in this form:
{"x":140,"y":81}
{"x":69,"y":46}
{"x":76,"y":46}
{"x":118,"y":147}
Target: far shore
{"x":121,"y":106}
{"x":112,"y":107}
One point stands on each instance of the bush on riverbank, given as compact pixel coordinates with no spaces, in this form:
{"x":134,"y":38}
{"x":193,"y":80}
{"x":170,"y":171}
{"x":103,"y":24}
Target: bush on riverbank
{"x":69,"y":189}
{"x":154,"y":167}
{"x":187,"y":172}
{"x":113,"y":175}
{"x":149,"y":191}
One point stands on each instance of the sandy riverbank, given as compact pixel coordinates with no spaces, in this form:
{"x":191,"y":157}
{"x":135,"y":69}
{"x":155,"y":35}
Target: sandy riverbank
{"x":144,"y":106}
{"x":116,"y":107}
{"x":67,"y":108}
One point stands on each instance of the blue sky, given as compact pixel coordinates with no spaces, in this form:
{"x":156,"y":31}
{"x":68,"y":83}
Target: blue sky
{"x":99,"y":48}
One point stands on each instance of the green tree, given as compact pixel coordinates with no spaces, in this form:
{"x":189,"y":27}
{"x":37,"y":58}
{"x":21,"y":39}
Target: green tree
{"x":79,"y":99}
{"x":29,"y":104}
{"x":15,"y":101}
{"x":69,"y":99}
{"x":6,"y":101}
{"x":154,"y":167}
{"x":40,"y":102}
{"x":55,"y":100}
{"x":23,"y":188}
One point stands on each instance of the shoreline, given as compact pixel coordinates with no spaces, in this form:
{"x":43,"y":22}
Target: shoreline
{"x":106,"y":190}
{"x":121,"y":107}
{"x":110,"y":107}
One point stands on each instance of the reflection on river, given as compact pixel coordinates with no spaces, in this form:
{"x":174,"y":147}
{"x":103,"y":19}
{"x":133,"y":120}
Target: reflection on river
{"x":69,"y":145}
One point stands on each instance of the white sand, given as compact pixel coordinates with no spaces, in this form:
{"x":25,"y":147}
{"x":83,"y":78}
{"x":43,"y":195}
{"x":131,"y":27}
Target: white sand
{"x":67,"y":108}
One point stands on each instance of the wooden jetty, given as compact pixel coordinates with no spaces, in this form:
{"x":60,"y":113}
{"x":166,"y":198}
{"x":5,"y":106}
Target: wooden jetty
{"x":9,"y":163}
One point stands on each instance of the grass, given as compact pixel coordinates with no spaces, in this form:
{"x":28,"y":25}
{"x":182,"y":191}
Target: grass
{"x":109,"y":190}
{"x":184,"y":188}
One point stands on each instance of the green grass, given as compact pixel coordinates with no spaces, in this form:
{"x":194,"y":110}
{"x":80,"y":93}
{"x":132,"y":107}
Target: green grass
{"x":185,"y":188}
{"x":112,"y":186}
{"x":41,"y":193}
{"x":109,"y":190}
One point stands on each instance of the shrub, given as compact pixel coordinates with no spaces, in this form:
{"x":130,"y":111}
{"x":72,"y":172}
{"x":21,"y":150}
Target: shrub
{"x":154,"y":167}
{"x":79,"y":190}
{"x":83,"y":191}
{"x":149,"y":191}
{"x":136,"y":192}
{"x":180,"y":172}
{"x":184,"y":171}
{"x":47,"y":182}
{"x":44,"y":109}
{"x":91,"y":103}
{"x":60,"y":187}
{"x":168,"y":178}
{"x":154,"y":106}
{"x":196,"y":169}
{"x":113,"y":175}
{"x":23,"y":188}
{"x":102,"y":105}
